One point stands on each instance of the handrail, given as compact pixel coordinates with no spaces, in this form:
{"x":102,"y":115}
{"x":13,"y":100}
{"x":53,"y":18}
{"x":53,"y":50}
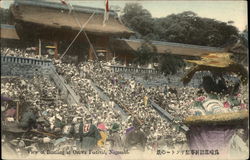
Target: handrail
{"x":132,"y":69}
{"x":167,"y":115}
{"x":24,"y":60}
{"x":69,"y":89}
{"x":106,"y":98}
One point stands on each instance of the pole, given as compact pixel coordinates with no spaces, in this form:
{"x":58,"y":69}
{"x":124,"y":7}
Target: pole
{"x":77,"y":35}
{"x":91,"y":46}
{"x":17,"y":111}
{"x":56,"y":50}
{"x":130,"y":113}
{"x":44,"y":133}
{"x":125,"y":60}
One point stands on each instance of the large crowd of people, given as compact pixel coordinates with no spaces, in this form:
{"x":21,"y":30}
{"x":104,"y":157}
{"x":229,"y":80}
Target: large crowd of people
{"x":30,"y":52}
{"x":96,"y":117}
{"x":127,"y":94}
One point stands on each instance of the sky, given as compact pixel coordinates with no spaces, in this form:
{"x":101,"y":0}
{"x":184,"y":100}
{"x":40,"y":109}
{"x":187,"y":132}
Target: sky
{"x":220,"y":10}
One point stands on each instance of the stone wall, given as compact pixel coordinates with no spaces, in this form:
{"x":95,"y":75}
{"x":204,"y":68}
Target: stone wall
{"x":26,"y":67}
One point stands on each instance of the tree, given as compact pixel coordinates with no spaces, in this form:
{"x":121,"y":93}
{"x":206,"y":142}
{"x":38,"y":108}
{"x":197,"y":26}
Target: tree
{"x":170,"y":64}
{"x":239,"y":48}
{"x":132,"y":10}
{"x":137,"y":18}
{"x":146,"y":54}
{"x":244,"y":36}
{"x":186,"y":27}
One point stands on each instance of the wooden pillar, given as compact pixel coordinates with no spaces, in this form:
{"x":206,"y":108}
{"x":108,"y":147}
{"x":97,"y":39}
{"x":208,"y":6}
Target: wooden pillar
{"x":109,"y":55}
{"x":56,"y":50}
{"x":17,"y":111}
{"x":106,"y":56}
{"x":40,"y":48}
{"x":91,"y":54}
{"x":125,"y":60}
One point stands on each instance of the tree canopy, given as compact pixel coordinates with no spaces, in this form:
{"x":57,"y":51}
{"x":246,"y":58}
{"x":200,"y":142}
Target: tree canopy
{"x":186,"y":27}
{"x":147,"y":53}
{"x":167,"y":63}
{"x":137,"y":18}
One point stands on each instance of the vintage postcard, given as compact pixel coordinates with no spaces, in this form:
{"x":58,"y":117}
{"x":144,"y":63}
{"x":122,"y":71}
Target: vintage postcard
{"x":118,"y":79}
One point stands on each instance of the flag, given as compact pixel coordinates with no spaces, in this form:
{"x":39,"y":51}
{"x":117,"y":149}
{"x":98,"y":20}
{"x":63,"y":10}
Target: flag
{"x":64,"y":2}
{"x":107,"y":5}
{"x":106,"y":14}
{"x":70,"y":7}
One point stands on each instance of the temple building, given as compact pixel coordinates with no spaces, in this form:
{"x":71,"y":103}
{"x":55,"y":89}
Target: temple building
{"x":79,"y":31}
{"x":56,"y":24}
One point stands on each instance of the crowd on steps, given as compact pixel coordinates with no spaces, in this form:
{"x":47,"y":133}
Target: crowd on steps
{"x":39,"y":108}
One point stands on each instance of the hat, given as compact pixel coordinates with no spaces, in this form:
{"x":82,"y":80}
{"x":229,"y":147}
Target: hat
{"x":115,"y":127}
{"x":102,"y":126}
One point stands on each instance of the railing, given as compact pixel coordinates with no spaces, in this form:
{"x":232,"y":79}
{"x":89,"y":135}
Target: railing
{"x":22,"y":60}
{"x":165,"y":114}
{"x":21,"y":66}
{"x":132,"y":69}
{"x":71,"y":96}
{"x":104,"y":97}
{"x":161,"y":111}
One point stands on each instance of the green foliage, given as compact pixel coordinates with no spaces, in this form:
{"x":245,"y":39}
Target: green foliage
{"x":170,"y":64}
{"x":186,"y":27}
{"x":244,"y":37}
{"x":146,"y":53}
{"x":239,"y":48}
{"x":137,"y":18}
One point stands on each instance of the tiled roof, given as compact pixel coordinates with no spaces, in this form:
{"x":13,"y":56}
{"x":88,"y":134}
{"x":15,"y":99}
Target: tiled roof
{"x":56,"y":15}
{"x":55,"y":4}
{"x":128,"y":45}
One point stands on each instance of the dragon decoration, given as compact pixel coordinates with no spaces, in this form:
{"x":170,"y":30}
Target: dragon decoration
{"x":217,"y":64}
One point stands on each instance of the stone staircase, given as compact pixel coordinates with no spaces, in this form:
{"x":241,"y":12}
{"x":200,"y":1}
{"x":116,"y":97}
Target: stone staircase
{"x":104,"y":97}
{"x":28,"y":67}
{"x":165,"y":114}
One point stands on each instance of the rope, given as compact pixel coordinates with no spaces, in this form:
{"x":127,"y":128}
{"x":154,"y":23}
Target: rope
{"x":77,"y":35}
{"x":77,"y":20}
